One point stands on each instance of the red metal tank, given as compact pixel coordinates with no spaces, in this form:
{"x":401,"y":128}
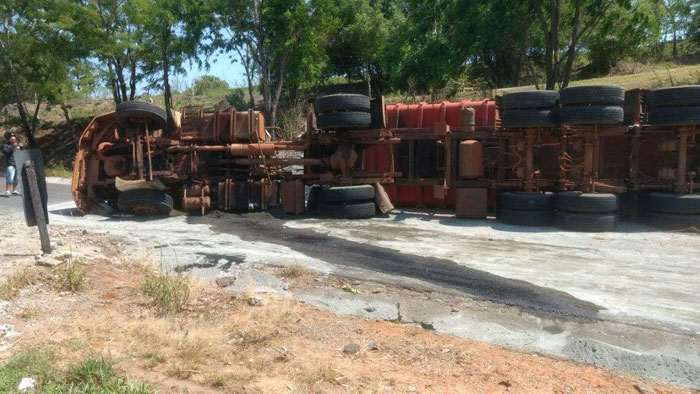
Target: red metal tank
{"x":423,"y":116}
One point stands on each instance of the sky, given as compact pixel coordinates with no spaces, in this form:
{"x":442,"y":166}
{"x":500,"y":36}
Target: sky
{"x":222,"y":66}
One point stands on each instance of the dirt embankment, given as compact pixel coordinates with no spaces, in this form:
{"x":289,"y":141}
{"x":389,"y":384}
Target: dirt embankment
{"x":230,"y":342}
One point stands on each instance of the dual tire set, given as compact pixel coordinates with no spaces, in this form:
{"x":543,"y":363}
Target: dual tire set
{"x":344,"y":202}
{"x":677,"y":106}
{"x":343,"y":112}
{"x":571,"y":211}
{"x":579,"y":105}
{"x":673,"y":211}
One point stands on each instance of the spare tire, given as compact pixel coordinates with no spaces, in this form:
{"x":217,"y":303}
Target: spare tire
{"x":129,"y":111}
{"x":516,"y":118}
{"x":344,"y":120}
{"x":593,"y":114}
{"x":145,"y":202}
{"x":587,"y":202}
{"x":592,"y":94}
{"x":342,"y":102}
{"x":527,"y":201}
{"x":674,"y":203}
{"x":349,"y":210}
{"x":675,"y":96}
{"x":588,"y":222}
{"x":675,"y":116}
{"x":531,"y":99}
{"x":346,"y":193}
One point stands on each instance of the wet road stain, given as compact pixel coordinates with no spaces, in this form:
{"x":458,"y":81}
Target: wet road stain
{"x":264,"y":227}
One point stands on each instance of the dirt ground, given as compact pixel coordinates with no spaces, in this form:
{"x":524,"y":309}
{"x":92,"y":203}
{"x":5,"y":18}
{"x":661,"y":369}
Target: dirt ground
{"x":222,"y":343}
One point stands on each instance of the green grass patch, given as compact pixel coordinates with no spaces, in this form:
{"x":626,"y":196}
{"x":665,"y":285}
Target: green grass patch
{"x":94,"y":375}
{"x":72,"y":277}
{"x":58,"y":171}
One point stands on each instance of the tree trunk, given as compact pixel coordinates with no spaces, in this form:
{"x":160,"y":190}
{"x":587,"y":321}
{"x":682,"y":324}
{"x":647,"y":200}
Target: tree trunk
{"x":66,"y":114}
{"x":571,"y":51}
{"x":167,"y":94}
{"x":119,"y":68}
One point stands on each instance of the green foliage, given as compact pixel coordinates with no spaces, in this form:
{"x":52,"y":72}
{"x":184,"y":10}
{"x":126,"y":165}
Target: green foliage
{"x":93,"y":375}
{"x":236,"y":98}
{"x":209,"y":85}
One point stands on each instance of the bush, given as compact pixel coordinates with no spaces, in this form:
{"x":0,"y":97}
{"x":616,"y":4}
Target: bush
{"x":237,"y":99}
{"x":209,"y":85}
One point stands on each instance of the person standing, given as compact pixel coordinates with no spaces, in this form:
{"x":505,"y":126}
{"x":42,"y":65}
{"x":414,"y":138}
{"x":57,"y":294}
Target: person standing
{"x":8,"y":150}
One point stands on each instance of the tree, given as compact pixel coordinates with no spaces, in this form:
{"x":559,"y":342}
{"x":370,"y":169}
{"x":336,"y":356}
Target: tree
{"x":209,"y":84}
{"x":357,"y":42}
{"x":172,"y":31}
{"x":282,"y":37}
{"x":31,"y":65}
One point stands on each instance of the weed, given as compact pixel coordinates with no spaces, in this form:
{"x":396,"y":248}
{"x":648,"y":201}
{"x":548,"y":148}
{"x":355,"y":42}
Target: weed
{"x":169,"y":293}
{"x":10,"y":287}
{"x":37,"y":363}
{"x":71,"y":278}
{"x":181,"y":371}
{"x":153,"y":359}
{"x":294,"y":271}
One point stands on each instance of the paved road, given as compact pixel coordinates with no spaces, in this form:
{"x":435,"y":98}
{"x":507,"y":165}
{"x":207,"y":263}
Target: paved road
{"x":58,"y":194}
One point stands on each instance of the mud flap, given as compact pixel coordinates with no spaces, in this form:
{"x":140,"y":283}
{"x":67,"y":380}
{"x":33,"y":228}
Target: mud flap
{"x":382,"y":199}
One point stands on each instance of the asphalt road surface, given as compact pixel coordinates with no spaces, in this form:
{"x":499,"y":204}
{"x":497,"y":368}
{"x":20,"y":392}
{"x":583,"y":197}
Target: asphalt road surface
{"x":12,"y":206}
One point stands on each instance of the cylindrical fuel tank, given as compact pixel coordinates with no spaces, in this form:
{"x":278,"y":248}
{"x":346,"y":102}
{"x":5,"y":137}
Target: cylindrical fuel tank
{"x":470,"y":159}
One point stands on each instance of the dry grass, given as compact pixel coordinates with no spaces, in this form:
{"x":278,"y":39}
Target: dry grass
{"x":10,"y":286}
{"x":294,"y":271}
{"x":71,"y":277}
{"x":168,"y":293}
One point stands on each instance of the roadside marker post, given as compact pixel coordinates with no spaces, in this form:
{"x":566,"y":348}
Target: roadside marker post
{"x":35,"y":194}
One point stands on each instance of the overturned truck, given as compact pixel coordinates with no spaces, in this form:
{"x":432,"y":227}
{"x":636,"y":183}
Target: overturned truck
{"x":580,"y":159}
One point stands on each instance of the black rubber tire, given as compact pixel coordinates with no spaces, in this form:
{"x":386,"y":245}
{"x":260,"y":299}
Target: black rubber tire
{"x":674,"y":203}
{"x":592,"y":94}
{"x":157,"y":118}
{"x":349,"y":211}
{"x":346,"y":194}
{"x":526,"y":218}
{"x":342,"y":102}
{"x":344,"y":120}
{"x":531,"y":99}
{"x":675,"y":96}
{"x":516,"y":118}
{"x":587,"y":202}
{"x":675,"y":116}
{"x":670,"y":221}
{"x":525,"y":201}
{"x":161,"y":201}
{"x":587,"y":222}
{"x":593,"y":114}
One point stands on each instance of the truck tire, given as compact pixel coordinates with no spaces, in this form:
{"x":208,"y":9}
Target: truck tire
{"x":588,"y":222}
{"x":525,"y":201}
{"x":342,"y":102}
{"x":129,"y":110}
{"x":675,"y":116}
{"x":349,"y":210}
{"x":344,"y":120}
{"x":592,"y":94}
{"x":586,"y":202}
{"x":675,"y":96}
{"x":346,"y":194}
{"x":525,"y":218}
{"x":145,"y":202}
{"x":671,"y":221}
{"x":593,"y":114}
{"x":531,"y":99}
{"x":516,"y":118}
{"x":674,"y":203}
